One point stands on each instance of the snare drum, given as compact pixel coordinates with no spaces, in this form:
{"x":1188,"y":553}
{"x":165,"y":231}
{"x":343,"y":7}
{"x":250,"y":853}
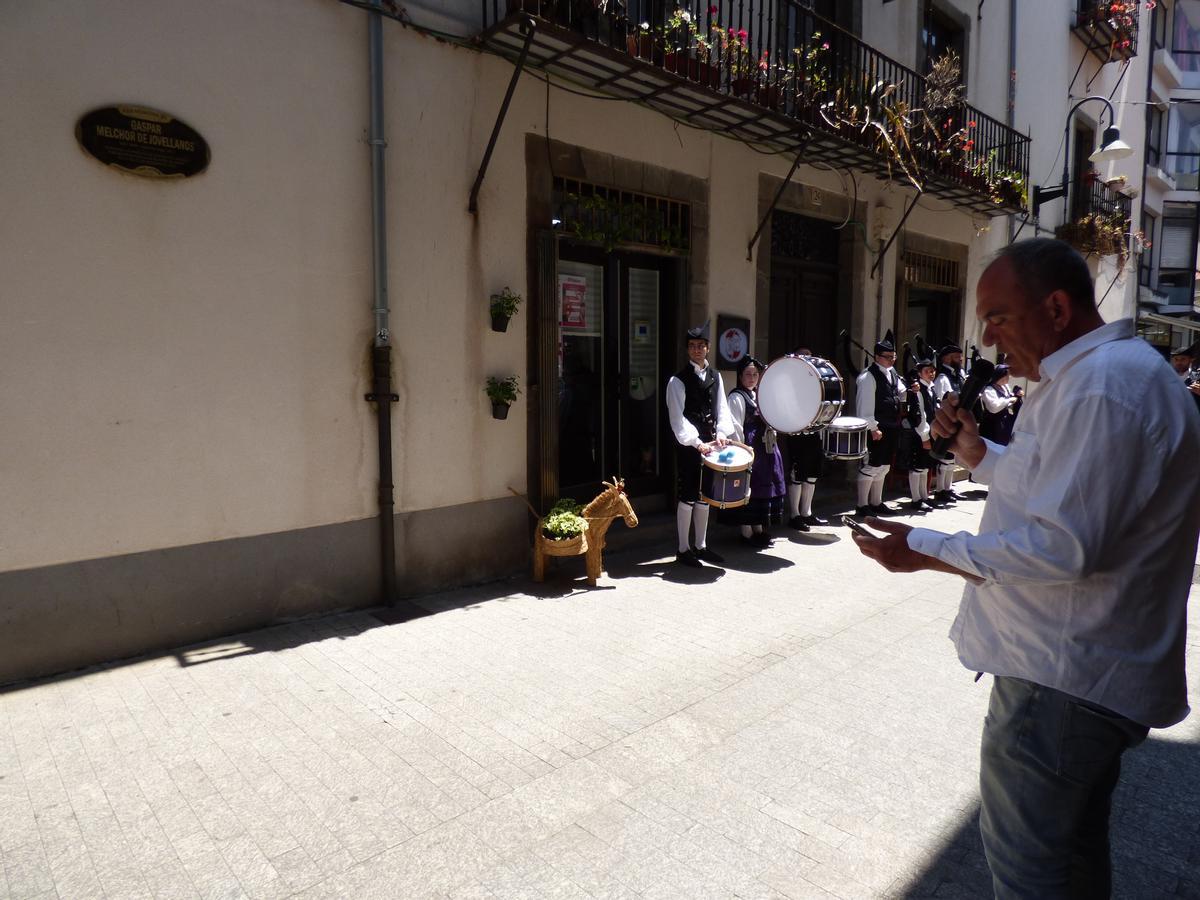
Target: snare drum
{"x":800,"y":394}
{"x":845,"y":438}
{"x":725,"y":478}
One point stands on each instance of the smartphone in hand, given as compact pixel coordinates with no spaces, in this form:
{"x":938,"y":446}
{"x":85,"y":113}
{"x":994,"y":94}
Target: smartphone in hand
{"x":859,"y":528}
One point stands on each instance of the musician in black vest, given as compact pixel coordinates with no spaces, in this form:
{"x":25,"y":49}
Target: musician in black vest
{"x":881,"y":402}
{"x":950,"y":379}
{"x":700,"y":421}
{"x":1183,"y":361}
{"x":920,"y":413}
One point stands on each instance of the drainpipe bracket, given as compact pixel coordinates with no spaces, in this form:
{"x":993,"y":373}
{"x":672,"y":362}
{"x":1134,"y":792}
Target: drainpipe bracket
{"x":379,"y":398}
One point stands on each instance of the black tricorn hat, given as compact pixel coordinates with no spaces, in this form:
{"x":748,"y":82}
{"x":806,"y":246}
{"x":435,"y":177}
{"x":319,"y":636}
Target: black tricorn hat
{"x":699,"y":332}
{"x":949,"y":348}
{"x":884,"y":346}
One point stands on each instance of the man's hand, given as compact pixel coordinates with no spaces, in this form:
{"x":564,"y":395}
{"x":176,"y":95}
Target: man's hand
{"x":877,"y":435}
{"x":893,"y":553}
{"x":1194,"y":388}
{"x":967,"y":445}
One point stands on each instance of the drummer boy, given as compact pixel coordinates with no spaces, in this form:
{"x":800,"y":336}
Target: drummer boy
{"x":701,"y":423}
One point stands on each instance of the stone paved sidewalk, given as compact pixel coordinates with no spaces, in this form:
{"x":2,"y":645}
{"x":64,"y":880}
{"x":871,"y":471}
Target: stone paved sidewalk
{"x":796,"y":726}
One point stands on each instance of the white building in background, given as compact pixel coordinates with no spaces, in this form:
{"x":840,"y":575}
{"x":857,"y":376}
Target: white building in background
{"x":1170,"y":316}
{"x":187,"y":447}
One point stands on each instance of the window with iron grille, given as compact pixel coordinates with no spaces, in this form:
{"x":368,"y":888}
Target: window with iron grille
{"x":609,"y":216}
{"x":928,"y":271}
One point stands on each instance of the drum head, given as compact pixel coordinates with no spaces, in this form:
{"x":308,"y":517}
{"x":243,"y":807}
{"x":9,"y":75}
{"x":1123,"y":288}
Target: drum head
{"x":730,"y":458}
{"x":848,"y":423}
{"x":789,"y":394}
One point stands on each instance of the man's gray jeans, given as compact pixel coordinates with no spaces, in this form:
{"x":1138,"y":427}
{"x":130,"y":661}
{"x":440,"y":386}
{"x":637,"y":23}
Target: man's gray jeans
{"x":1049,"y":764}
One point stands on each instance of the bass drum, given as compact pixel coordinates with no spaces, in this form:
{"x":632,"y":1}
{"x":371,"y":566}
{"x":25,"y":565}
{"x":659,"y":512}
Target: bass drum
{"x":800,"y":394}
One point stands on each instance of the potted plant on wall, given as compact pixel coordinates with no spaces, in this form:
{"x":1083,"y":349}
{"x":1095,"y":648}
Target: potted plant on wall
{"x":503,"y":307}
{"x":503,"y":394}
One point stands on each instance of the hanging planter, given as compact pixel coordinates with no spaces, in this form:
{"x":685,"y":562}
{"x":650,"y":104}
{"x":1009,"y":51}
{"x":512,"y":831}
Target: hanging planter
{"x":503,"y":394}
{"x":503,"y":307}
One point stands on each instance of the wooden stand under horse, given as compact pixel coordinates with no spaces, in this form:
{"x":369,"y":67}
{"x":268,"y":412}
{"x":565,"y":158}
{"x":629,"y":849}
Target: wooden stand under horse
{"x":600,"y":513}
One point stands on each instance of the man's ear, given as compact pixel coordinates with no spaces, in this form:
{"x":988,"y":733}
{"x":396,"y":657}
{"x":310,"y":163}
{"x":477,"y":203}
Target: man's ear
{"x":1059,"y":308}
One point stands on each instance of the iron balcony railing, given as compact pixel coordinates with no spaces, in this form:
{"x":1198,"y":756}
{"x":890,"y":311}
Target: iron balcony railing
{"x":1109,"y":28}
{"x":1093,"y":197}
{"x":1100,"y":219}
{"x":782,"y":57}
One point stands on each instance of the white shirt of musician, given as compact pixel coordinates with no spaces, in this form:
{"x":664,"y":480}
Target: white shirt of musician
{"x":685,"y":432}
{"x":941,"y":386}
{"x":997,"y":399}
{"x":1086,"y":547}
{"x":864,"y":393}
{"x":924,"y":426}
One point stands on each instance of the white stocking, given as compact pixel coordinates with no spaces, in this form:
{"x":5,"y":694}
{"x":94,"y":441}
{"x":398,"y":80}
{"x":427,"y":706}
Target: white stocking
{"x":747,"y":531}
{"x":806,"y":497}
{"x":794,"y":499}
{"x":914,"y":485}
{"x":683,"y":524}
{"x":700,"y":523}
{"x":864,"y":490}
{"x":877,"y":486}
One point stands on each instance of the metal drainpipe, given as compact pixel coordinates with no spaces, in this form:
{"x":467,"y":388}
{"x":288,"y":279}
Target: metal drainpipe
{"x":381,"y":351}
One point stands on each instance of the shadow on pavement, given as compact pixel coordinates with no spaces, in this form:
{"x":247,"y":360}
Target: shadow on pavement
{"x":1155,"y":833}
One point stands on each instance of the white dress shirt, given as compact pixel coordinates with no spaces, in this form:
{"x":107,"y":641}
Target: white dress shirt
{"x":737,"y":414}
{"x":941,"y":386}
{"x":924,"y":426}
{"x":864,"y":393}
{"x":1087,"y":544}
{"x":997,"y":399}
{"x":685,"y":432}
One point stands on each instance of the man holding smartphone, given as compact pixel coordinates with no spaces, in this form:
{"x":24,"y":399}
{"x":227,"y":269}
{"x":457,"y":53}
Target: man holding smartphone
{"x":1078,"y":580}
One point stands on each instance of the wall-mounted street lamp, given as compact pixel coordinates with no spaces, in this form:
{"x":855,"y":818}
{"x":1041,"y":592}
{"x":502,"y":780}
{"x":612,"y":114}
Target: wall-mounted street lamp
{"x":1111,"y":148}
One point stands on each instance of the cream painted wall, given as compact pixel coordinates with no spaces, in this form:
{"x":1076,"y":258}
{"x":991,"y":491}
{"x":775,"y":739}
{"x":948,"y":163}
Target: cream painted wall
{"x":182,"y":361}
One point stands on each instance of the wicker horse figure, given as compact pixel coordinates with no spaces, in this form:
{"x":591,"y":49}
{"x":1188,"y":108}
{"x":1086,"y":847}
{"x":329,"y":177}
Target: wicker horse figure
{"x":600,"y":513}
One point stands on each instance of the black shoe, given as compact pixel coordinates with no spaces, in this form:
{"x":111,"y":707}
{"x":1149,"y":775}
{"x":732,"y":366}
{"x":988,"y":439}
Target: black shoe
{"x":799,"y":523}
{"x":709,"y":556}
{"x":815,"y":520}
{"x":955,"y":496}
{"x":688,"y":558}
{"x":882,"y":509}
{"x":947,"y":497}
{"x":927,"y":506}
{"x":914,"y":505}
{"x":761,"y":539}
{"x":863,"y":511}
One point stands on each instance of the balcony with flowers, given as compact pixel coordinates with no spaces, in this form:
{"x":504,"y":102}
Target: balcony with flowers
{"x":1100,"y":218}
{"x":777,"y":76}
{"x":1109,"y":28}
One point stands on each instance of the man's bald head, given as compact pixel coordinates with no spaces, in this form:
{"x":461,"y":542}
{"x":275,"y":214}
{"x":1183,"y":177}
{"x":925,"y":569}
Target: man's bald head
{"x":1040,"y":266}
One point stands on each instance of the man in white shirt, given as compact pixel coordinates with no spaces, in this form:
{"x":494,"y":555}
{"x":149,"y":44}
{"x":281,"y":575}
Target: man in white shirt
{"x":700,"y":421}
{"x":1078,"y":580}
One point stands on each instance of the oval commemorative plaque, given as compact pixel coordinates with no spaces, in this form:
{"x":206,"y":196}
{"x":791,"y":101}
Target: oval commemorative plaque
{"x":142,"y":141}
